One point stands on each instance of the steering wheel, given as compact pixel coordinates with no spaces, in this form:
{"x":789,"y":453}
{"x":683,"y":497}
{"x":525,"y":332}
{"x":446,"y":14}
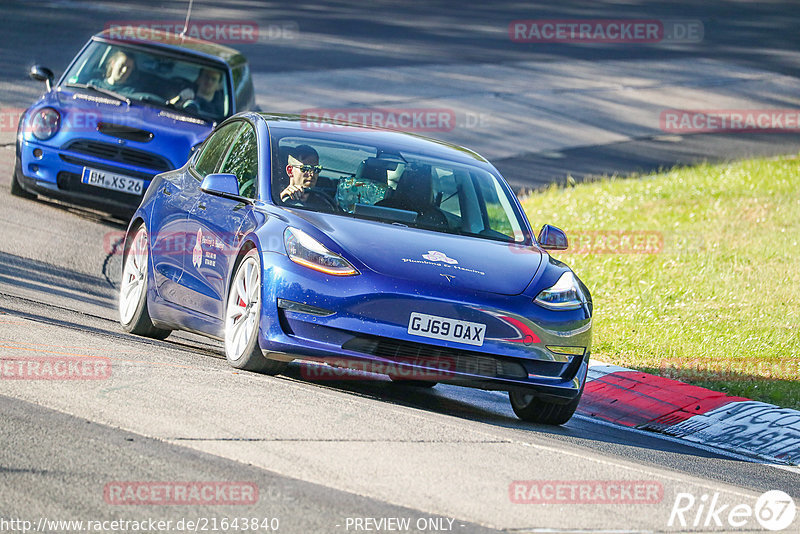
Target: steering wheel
{"x":149,"y":97}
{"x":314,"y":194}
{"x":191,"y":105}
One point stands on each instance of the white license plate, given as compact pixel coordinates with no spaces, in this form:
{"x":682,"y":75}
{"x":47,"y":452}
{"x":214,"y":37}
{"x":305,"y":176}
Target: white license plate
{"x":115,"y":182}
{"x":446,"y":329}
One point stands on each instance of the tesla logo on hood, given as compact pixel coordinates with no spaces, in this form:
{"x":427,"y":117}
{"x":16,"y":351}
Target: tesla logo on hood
{"x":435,"y":255}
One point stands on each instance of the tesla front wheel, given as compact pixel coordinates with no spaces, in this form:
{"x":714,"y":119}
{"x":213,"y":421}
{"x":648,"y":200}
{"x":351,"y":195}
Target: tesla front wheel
{"x":535,"y":410}
{"x":133,"y":314}
{"x":242,"y":319}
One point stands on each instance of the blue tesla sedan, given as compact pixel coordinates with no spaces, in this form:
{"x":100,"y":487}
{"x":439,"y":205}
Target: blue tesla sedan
{"x":358,"y":248}
{"x":125,"y":110}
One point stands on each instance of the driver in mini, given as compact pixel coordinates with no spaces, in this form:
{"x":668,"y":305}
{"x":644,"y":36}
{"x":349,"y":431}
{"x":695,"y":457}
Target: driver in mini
{"x":303,"y":169}
{"x":204,"y":93}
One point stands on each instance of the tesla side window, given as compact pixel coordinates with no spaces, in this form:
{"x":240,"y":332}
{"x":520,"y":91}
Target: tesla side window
{"x":214,"y":148}
{"x":242,"y":161}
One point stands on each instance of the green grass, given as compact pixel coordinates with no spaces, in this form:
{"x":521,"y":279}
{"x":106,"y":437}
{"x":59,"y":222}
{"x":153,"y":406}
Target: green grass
{"x":718,"y":304}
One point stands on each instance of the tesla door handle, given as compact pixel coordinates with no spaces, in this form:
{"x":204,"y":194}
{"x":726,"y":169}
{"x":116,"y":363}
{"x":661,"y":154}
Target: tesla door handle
{"x":167,"y":191}
{"x":201,"y":206}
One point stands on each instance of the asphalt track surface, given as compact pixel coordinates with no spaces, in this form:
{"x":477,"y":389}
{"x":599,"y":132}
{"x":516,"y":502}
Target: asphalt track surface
{"x":320,"y":452}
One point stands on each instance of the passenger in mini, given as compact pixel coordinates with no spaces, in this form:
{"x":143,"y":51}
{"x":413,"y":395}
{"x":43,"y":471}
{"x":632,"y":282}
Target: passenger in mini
{"x":204,"y":93}
{"x":119,"y":69}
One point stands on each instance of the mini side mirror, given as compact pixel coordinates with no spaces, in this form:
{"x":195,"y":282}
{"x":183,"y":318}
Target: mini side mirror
{"x":42,"y":74}
{"x":552,"y":238}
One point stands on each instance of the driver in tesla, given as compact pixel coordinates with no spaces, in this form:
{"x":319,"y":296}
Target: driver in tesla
{"x":303,"y":169}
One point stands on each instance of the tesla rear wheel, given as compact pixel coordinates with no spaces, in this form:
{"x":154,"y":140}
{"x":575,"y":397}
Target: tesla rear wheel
{"x":535,"y":410}
{"x":242,"y":318}
{"x":133,"y":314}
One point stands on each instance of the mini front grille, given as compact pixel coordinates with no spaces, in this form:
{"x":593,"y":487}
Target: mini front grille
{"x":121,"y":154}
{"x":444,"y":359}
{"x":124,"y":132}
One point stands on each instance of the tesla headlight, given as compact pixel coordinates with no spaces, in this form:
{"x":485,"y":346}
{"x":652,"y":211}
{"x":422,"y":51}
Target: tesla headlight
{"x":565,"y":294}
{"x":308,"y":252}
{"x":45,"y":123}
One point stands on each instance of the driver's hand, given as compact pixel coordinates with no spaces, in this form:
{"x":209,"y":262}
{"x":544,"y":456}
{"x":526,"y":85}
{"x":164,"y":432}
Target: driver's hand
{"x":294,"y":192}
{"x":186,"y":94}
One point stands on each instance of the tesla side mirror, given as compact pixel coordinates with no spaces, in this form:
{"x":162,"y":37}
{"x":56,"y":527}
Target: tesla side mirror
{"x":552,"y":238}
{"x":221,"y":184}
{"x":42,"y":74}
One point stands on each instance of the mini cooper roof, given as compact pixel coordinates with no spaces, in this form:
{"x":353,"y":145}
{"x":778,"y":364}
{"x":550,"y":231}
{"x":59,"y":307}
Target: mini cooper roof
{"x":171,"y":42}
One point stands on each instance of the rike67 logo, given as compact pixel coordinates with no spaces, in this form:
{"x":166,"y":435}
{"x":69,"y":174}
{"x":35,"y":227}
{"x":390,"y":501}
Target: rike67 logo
{"x":774,"y":510}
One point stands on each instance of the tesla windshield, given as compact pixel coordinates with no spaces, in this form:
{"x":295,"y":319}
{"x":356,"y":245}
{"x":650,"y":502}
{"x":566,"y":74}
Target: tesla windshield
{"x":394,"y":187}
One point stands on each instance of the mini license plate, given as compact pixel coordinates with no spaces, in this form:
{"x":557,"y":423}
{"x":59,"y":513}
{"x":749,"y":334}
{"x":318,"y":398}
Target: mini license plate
{"x":115,"y":182}
{"x":446,"y":329}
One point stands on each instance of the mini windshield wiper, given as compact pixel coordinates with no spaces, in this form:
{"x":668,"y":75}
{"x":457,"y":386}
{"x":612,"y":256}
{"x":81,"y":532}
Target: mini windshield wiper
{"x":107,"y":92}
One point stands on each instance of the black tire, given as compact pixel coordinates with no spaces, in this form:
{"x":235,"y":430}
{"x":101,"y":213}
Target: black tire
{"x":252,"y":358}
{"x":16,"y":188}
{"x":140,"y":322}
{"x":413,"y":383}
{"x":535,"y":410}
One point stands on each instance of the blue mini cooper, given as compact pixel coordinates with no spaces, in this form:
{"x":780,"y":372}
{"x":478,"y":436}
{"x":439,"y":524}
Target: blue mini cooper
{"x":125,"y":110}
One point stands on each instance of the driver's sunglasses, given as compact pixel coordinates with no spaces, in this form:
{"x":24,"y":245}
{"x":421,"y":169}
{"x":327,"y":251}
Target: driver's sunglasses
{"x":309,"y":168}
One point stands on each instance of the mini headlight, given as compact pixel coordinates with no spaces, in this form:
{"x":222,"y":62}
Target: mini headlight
{"x":45,"y":123}
{"x":308,"y":252}
{"x":565,"y":294}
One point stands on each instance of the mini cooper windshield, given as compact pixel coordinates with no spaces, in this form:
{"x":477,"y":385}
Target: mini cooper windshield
{"x":136,"y":74}
{"x":394,"y":187}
